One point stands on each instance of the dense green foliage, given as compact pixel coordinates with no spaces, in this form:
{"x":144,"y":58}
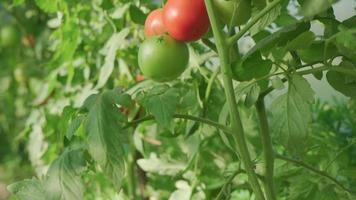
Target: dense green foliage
{"x":76,"y":124}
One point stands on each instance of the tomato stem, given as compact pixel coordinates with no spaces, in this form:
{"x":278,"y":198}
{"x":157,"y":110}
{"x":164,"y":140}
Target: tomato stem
{"x":236,"y":124}
{"x":268,"y":155}
{"x":252,"y":22}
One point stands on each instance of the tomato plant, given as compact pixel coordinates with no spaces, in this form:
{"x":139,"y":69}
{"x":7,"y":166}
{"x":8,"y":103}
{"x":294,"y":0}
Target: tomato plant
{"x":186,"y":20}
{"x":163,"y":58}
{"x":135,"y":100}
{"x":154,"y":23}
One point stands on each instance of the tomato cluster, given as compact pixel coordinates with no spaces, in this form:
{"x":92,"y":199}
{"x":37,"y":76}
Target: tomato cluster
{"x":164,"y":55}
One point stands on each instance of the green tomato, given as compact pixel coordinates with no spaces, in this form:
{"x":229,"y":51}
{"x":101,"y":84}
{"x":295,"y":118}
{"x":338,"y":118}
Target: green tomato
{"x":225,"y":10}
{"x":9,"y":36}
{"x":162,"y":58}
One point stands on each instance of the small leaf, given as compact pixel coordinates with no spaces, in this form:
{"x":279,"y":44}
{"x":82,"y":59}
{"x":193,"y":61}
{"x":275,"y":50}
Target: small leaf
{"x":114,"y":43}
{"x":341,"y":82}
{"x":251,"y":67}
{"x":73,"y":126}
{"x":252,"y":95}
{"x":162,"y":104}
{"x":277,"y":83}
{"x":137,"y":15}
{"x":292,"y":114}
{"x":47,"y":5}
{"x":303,"y":41}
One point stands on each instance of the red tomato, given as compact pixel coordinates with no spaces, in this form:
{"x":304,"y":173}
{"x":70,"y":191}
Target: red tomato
{"x":140,"y":78}
{"x":186,"y":20}
{"x":154,"y":23}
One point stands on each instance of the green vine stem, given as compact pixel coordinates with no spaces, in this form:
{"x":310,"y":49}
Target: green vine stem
{"x":236,"y":124}
{"x":252,"y":22}
{"x":131,"y":175}
{"x":267,"y":149}
{"x":315,"y":171}
{"x":181,"y":116}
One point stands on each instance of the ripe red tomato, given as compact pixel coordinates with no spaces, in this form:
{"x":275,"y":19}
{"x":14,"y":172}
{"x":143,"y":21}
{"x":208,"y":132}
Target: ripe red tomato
{"x":154,"y":23}
{"x":186,"y":20}
{"x":162,"y":58}
{"x":140,"y":78}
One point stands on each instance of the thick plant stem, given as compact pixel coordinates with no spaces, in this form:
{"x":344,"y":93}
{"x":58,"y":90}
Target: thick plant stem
{"x":268,"y":155}
{"x":131,"y":175}
{"x":236,"y":125}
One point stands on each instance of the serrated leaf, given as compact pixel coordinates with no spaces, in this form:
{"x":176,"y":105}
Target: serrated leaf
{"x":104,"y":128}
{"x":292,"y":114}
{"x":47,"y":5}
{"x":63,"y":179}
{"x":266,"y":20}
{"x":162,"y":105}
{"x":346,"y":84}
{"x":113,"y":44}
{"x":28,"y":189}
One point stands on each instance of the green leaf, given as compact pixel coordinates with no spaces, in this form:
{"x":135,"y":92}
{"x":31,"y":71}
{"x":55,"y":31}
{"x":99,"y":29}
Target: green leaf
{"x":314,"y":7}
{"x":251,"y":67}
{"x":292,"y":114}
{"x":162,"y":104}
{"x":345,"y":42}
{"x":49,"y":6}
{"x":346,"y":84}
{"x":105,"y":134}
{"x":63,"y":179}
{"x":28,"y":189}
{"x":266,"y":20}
{"x":73,"y":126}
{"x":69,"y":36}
{"x":18,"y":2}
{"x":277,"y":83}
{"x":113,"y":44}
{"x":137,"y":15}
{"x":303,"y":41}
{"x":315,"y":53}
{"x":278,"y":38}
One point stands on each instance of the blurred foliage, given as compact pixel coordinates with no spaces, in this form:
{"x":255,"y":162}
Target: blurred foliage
{"x":68,"y":90}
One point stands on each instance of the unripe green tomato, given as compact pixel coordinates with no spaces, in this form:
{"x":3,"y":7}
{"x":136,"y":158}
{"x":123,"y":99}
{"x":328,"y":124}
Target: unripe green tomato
{"x":225,"y":10}
{"x":162,"y":58}
{"x":9,"y":36}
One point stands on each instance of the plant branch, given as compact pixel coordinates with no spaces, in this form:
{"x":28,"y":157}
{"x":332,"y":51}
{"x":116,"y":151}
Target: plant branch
{"x":236,"y":124}
{"x":229,"y":180}
{"x":181,"y":116}
{"x":267,"y":149}
{"x":209,"y":44}
{"x":252,"y":22}
{"x":315,"y":171}
{"x":338,"y":154}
